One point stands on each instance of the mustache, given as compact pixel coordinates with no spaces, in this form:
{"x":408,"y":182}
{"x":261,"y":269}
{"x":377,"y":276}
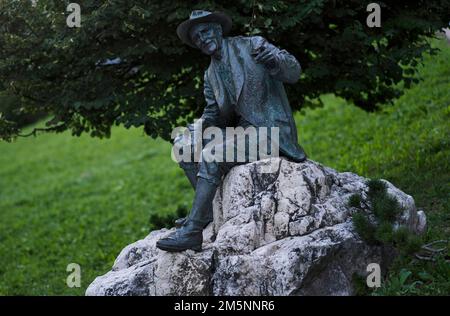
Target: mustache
{"x":207,"y":42}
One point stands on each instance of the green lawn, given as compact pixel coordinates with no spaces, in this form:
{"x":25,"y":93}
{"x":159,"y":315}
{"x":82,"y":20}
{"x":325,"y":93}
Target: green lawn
{"x":65,"y":199}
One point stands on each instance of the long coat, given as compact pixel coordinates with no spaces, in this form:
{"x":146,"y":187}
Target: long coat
{"x":260,"y":96}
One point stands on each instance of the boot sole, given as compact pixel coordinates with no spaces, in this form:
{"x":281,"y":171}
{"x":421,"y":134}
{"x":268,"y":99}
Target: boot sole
{"x":176,"y":249}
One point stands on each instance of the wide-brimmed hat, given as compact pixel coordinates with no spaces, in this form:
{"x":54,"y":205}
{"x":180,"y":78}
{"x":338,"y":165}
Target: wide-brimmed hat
{"x":201,"y":16}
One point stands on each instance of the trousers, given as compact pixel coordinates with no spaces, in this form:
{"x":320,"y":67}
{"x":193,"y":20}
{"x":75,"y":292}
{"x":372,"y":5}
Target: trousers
{"x":212,"y":156}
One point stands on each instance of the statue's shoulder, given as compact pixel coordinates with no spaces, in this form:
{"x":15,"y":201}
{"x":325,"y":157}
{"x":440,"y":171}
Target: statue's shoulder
{"x":250,"y":41}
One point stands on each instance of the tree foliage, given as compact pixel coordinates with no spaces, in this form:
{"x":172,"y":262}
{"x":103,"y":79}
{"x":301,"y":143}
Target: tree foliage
{"x":157,"y":82}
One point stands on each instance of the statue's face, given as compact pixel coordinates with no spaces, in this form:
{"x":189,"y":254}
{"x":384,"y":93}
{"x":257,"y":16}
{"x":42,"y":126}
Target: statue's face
{"x":207,"y":37}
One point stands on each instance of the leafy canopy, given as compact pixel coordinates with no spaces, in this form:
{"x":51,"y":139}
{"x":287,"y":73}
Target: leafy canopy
{"x":157,"y":81}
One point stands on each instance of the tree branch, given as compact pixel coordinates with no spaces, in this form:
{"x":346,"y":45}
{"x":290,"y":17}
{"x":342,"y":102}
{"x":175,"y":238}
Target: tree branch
{"x":58,"y":128}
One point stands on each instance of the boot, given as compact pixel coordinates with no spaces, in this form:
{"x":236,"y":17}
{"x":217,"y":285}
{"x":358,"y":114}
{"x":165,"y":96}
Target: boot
{"x":180,"y":221}
{"x":189,"y":235}
{"x":191,"y":174}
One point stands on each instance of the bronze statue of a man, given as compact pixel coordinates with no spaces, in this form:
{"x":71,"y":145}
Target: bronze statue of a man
{"x":243,"y":86}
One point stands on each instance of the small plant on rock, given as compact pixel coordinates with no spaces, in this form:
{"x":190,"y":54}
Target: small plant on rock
{"x":381,"y":228}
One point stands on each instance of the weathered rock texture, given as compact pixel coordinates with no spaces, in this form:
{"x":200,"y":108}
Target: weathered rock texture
{"x":288,"y":232}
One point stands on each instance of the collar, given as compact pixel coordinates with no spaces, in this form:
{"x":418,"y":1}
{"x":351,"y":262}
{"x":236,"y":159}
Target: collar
{"x":223,"y":52}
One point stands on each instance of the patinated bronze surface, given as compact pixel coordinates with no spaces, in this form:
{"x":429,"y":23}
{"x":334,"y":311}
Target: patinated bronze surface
{"x":243,"y":86}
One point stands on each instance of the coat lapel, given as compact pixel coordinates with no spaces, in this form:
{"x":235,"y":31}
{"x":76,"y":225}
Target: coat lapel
{"x":236,"y":62}
{"x":237,"y":67}
{"x":216,"y":85}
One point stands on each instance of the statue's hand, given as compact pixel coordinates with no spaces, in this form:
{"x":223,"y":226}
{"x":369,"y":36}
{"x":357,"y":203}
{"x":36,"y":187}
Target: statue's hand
{"x":266,"y":56}
{"x":188,"y":138}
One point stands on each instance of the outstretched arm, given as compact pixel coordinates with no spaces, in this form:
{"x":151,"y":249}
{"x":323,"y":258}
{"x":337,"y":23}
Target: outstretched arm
{"x":280,"y":64}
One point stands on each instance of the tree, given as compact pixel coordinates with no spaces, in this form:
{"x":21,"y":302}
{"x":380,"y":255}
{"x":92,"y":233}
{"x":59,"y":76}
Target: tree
{"x":125,"y":64}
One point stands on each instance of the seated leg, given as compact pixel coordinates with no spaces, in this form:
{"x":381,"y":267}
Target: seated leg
{"x":190,"y":236}
{"x":210,"y":172}
{"x":191,"y":170}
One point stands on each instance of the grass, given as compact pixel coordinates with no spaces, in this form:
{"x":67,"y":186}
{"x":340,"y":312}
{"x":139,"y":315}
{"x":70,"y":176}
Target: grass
{"x":81,"y":200}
